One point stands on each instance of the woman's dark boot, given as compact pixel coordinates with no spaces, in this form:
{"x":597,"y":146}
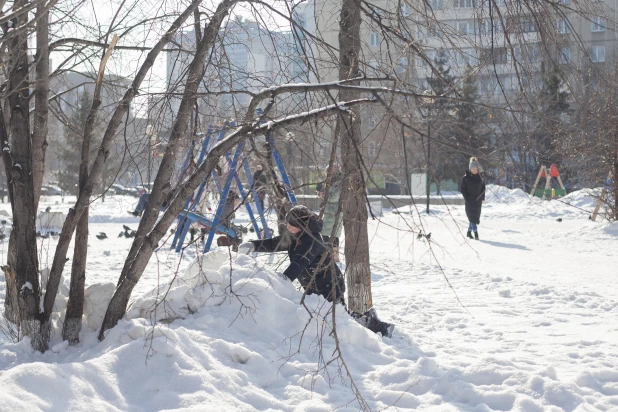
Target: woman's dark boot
{"x":476,"y":235}
{"x":469,"y":234}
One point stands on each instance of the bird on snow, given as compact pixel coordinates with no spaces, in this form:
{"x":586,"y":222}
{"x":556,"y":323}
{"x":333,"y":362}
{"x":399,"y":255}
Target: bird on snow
{"x":101,"y":236}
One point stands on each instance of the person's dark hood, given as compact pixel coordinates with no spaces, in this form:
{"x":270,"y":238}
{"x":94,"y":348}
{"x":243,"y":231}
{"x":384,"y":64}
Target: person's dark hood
{"x":303,"y":218}
{"x":315,"y":224}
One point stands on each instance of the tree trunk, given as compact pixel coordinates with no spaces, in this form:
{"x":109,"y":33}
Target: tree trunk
{"x":162,"y":184}
{"x":358,"y":270}
{"x":41,"y":102}
{"x":96,"y":171}
{"x":75,"y":306}
{"x":133,"y":268}
{"x":22,"y":294}
{"x":615,"y":184}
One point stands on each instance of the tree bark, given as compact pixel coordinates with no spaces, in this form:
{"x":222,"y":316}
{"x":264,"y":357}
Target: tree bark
{"x":22,"y":262}
{"x":95,"y":175}
{"x":358,"y":270}
{"x":41,"y":101}
{"x":75,"y":306}
{"x":133,"y":266}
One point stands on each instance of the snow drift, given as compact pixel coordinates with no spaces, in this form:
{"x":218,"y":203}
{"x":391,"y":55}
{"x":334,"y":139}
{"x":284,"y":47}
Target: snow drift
{"x":537,"y":332}
{"x":229,"y":334}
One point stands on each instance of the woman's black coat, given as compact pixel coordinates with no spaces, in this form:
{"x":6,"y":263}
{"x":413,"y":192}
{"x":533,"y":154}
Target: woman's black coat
{"x":306,"y":251}
{"x":473,"y":190}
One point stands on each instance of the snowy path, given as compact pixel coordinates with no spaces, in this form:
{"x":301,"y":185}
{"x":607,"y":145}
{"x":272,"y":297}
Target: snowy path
{"x":539,"y":298}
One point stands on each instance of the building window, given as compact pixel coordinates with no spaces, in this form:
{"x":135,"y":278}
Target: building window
{"x":563,"y":26}
{"x":431,"y":56}
{"x":533,"y":53}
{"x":527,"y":26}
{"x":435,"y":4}
{"x":484,"y":27}
{"x":432,"y":30}
{"x":565,"y":55}
{"x":466,"y":57}
{"x":375,"y":39}
{"x":598,"y":54}
{"x":497,"y":55}
{"x":403,"y":65}
{"x":405,"y":10}
{"x":374,"y":67}
{"x":463,"y":4}
{"x":376,"y":13}
{"x":598,"y":24}
{"x":465,"y":27}
{"x":371,"y":149}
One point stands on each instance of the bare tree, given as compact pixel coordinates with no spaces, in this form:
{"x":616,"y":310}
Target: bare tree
{"x":21,"y":271}
{"x":358,"y":269}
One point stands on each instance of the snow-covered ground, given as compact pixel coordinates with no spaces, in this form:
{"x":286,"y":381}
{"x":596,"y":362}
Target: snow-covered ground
{"x":527,"y":321}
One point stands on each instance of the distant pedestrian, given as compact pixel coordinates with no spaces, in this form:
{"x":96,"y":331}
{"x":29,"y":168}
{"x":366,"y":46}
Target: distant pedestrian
{"x":332,"y":225}
{"x":260,"y":183}
{"x":142,"y":204}
{"x":473,"y":190}
{"x":228,"y":213}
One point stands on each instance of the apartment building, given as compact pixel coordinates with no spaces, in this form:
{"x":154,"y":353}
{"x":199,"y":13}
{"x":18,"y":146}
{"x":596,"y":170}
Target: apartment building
{"x":250,"y":57}
{"x":507,"y":45}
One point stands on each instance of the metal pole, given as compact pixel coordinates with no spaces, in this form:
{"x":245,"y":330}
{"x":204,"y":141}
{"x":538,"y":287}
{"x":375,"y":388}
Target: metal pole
{"x":149,"y":163}
{"x":428,"y":160}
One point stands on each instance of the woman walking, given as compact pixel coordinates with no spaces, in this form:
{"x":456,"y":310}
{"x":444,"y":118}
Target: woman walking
{"x":473,"y":190}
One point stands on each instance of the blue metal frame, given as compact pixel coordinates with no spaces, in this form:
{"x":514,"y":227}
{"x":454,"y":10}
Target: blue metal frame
{"x":183,"y":225}
{"x":189,"y":215}
{"x":226,"y":190}
{"x":258,"y":205}
{"x":281,"y":167}
{"x":203,"y":220}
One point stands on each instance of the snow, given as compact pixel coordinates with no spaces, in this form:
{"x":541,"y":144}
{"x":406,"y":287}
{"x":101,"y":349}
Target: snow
{"x":530,"y":323}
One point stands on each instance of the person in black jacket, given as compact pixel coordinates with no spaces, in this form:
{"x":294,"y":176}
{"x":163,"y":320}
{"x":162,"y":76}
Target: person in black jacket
{"x":473,"y":190}
{"x":307,"y":253}
{"x":260,"y":182}
{"x":311,"y":263}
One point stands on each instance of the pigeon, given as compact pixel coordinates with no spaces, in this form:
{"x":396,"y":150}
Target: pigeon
{"x":101,"y":236}
{"x":128,"y":232}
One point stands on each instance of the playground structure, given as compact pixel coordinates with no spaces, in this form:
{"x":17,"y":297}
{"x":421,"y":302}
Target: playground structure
{"x":190,"y":215}
{"x":548,"y":191}
{"x":606,"y":188}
